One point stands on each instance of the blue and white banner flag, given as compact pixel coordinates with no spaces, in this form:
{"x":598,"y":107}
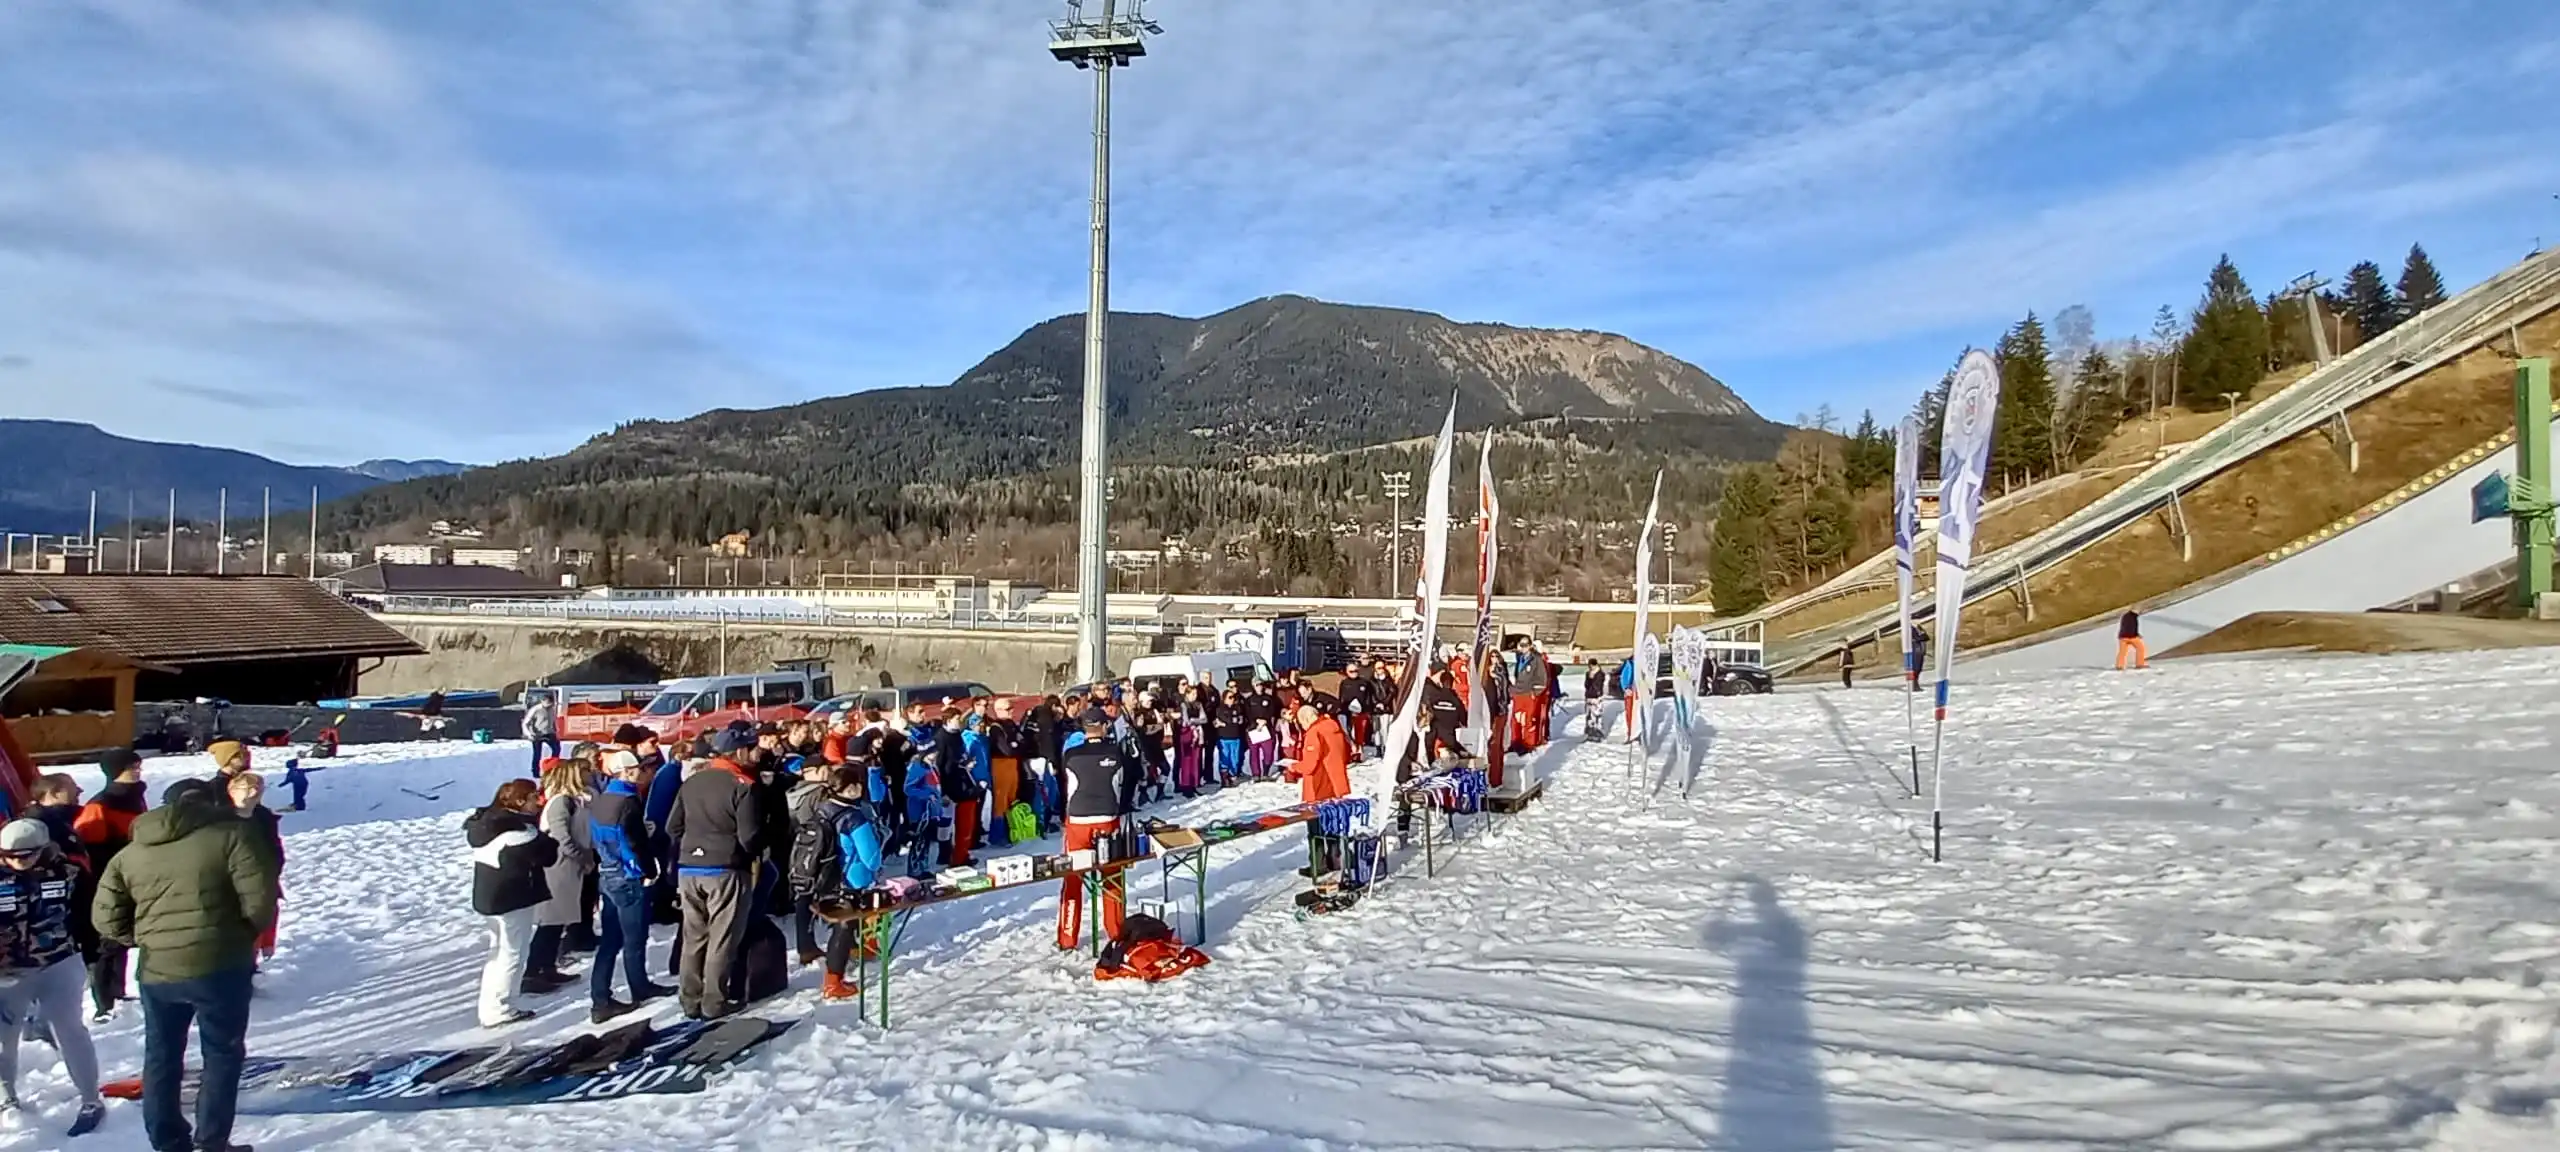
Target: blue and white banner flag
{"x":1403,"y":729}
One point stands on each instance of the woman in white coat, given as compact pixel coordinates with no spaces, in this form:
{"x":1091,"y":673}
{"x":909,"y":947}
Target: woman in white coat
{"x":567,"y":785}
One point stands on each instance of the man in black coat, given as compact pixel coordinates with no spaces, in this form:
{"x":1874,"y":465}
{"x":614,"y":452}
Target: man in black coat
{"x":718,"y":827}
{"x":1443,"y":711}
{"x":1101,"y":783}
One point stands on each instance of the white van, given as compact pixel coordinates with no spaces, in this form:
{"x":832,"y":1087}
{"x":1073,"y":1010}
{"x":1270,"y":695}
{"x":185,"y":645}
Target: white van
{"x":689,"y":706}
{"x":1214,"y":669}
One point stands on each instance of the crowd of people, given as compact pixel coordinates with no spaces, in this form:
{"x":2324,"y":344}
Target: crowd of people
{"x":193,"y":884}
{"x":725,"y":837}
{"x":760,"y":824}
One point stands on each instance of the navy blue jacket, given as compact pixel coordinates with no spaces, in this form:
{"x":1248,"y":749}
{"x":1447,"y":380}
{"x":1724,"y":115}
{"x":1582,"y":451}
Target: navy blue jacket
{"x":615,"y":824}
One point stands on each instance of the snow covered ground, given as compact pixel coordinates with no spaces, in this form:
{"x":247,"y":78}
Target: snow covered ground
{"x":2265,"y":904}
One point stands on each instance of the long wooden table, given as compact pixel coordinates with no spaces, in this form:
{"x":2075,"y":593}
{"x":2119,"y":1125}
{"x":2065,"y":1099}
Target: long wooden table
{"x":883,"y":927}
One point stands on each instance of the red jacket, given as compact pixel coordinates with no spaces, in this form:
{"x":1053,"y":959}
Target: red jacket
{"x":1323,"y":769}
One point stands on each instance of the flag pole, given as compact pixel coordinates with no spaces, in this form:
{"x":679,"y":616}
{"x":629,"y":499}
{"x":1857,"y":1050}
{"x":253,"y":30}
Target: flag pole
{"x":1937,"y":775}
{"x":1973,"y":401}
{"x":1906,"y":531}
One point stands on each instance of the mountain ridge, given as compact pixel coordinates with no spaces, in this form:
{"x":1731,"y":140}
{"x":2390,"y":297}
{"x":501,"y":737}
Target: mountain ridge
{"x":49,"y":468}
{"x":1265,"y":420}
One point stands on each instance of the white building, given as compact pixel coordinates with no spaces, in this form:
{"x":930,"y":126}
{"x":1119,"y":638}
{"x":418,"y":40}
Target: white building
{"x":489,"y":557}
{"x":407,"y":554}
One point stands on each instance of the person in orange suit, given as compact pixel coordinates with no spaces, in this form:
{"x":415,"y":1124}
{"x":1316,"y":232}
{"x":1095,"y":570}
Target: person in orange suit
{"x":1323,"y":772}
{"x":1323,"y":766}
{"x":2129,"y":646}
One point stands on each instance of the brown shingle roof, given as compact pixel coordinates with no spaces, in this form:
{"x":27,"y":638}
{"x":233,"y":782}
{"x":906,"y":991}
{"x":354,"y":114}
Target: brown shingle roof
{"x":191,"y":619}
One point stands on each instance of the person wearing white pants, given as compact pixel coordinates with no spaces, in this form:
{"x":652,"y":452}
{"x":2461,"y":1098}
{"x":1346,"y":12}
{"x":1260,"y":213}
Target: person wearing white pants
{"x":508,"y":856}
{"x":510,"y":940}
{"x":42,"y":976}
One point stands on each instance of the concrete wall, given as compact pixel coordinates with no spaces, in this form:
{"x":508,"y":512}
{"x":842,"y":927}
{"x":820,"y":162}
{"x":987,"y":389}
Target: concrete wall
{"x":498,"y":653}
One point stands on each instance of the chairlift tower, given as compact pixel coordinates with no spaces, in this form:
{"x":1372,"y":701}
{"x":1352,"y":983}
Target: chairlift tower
{"x":1102,"y":43}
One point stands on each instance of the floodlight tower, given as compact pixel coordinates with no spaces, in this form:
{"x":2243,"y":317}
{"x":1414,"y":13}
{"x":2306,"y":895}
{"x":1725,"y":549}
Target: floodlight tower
{"x":1112,"y":41}
{"x":2308,"y":286}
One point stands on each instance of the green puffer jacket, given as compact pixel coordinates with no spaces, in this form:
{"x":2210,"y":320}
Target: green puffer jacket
{"x":193,"y":891}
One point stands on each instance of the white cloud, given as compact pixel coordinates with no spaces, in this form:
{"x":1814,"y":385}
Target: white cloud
{"x":374,"y":270}
{"x":1359,"y":148}
{"x":580,"y":212}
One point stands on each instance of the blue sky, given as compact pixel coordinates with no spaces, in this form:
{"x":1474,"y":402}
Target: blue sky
{"x":482,"y":230}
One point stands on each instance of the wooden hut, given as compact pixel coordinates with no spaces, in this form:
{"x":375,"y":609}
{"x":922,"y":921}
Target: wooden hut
{"x":76,"y":703}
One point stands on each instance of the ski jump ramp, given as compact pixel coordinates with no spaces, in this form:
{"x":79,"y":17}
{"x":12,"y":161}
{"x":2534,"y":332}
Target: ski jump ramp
{"x":2481,"y":313}
{"x":2408,"y":549}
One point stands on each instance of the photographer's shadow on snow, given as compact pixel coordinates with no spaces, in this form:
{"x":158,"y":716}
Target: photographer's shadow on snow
{"x":1679,"y":770}
{"x":1773,"y":1093}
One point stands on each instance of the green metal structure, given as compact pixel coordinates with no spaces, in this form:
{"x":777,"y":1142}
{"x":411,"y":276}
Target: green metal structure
{"x":2529,"y":498}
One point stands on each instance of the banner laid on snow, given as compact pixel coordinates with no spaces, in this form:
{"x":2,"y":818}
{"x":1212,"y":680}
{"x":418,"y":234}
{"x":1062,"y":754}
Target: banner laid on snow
{"x":1648,"y":649}
{"x":1481,"y":711}
{"x":634,"y":1061}
{"x":1401,"y":732}
{"x":1964,"y":458}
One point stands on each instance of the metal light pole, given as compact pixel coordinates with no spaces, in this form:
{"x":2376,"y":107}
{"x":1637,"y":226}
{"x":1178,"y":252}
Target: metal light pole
{"x":1670,"y":535}
{"x":1112,"y":41}
{"x":1399,"y":485}
{"x":2308,"y":285}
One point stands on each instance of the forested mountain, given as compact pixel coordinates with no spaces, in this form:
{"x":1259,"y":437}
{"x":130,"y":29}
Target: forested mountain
{"x":1271,"y":419}
{"x":49,"y":468}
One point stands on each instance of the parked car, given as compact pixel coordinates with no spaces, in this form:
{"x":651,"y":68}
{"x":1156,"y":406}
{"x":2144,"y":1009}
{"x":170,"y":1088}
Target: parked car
{"x":691,"y":705}
{"x":1731,"y":679}
{"x":894,"y":700}
{"x":1743,"y":680}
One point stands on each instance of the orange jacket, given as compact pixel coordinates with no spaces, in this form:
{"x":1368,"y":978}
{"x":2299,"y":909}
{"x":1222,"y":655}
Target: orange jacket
{"x":1323,"y":769}
{"x":831,"y":749}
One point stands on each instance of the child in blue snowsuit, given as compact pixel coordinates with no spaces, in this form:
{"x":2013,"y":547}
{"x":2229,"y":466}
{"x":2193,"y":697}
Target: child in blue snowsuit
{"x":928,"y":814}
{"x":982,"y":768}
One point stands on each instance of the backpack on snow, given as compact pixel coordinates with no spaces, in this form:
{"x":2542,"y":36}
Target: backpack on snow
{"x":1021,"y":823}
{"x":763,"y":969}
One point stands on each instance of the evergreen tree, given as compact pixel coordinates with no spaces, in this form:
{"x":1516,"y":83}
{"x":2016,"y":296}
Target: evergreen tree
{"x":2370,"y":302}
{"x":1932,"y":414}
{"x":2097,"y":407}
{"x":2420,"y":288}
{"x":2160,"y":385}
{"x":1868,"y":460}
{"x":1738,"y":568}
{"x":2226,"y":346}
{"x":2288,"y":330}
{"x":1828,"y":532}
{"x":2022,"y":440}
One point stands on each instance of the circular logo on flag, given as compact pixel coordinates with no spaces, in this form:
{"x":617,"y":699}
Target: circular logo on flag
{"x":1976,"y":389}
